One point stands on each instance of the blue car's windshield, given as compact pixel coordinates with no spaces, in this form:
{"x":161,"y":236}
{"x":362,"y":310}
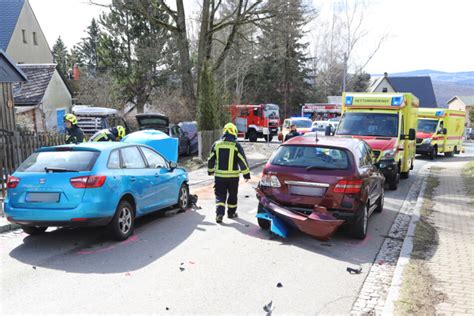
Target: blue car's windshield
{"x":368,"y":124}
{"x":59,"y":160}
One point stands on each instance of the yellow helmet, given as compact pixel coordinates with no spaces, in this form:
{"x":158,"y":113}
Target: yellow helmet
{"x":71,"y":118}
{"x":231,"y":129}
{"x":120,"y":131}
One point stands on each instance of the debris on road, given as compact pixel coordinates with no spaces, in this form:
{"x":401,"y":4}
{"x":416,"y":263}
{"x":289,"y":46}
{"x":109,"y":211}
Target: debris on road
{"x":127,"y":274}
{"x":268,"y":308}
{"x":34,"y":267}
{"x":279,"y":285}
{"x":181,"y":269}
{"x":354,"y":271}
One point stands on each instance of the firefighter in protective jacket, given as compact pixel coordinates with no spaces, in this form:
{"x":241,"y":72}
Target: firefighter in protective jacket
{"x":109,"y":134}
{"x":226,"y":162}
{"x":74,"y":134}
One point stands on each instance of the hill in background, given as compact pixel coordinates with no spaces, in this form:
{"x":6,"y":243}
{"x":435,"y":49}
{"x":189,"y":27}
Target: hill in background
{"x":446,"y":84}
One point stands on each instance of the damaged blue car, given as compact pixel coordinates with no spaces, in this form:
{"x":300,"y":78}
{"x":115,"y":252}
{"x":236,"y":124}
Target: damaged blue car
{"x":95,"y":184}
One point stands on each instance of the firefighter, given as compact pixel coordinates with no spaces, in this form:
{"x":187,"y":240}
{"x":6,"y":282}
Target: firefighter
{"x":74,"y":134}
{"x":109,"y":134}
{"x":226,"y":162}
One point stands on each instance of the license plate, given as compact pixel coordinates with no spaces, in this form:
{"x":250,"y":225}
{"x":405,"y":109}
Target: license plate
{"x":35,"y":197}
{"x":307,"y":191}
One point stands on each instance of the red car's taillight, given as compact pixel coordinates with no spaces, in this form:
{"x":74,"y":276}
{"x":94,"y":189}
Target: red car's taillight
{"x":348,"y":186}
{"x":12,"y":182}
{"x":88,"y":182}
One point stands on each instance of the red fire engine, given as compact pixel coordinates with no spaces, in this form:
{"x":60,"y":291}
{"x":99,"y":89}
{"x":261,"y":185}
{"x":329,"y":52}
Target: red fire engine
{"x":323,"y":111}
{"x":256,"y":121}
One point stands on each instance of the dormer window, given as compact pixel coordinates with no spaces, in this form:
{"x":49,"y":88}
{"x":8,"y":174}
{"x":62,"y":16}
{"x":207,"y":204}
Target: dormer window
{"x":23,"y":33}
{"x":35,"y":40}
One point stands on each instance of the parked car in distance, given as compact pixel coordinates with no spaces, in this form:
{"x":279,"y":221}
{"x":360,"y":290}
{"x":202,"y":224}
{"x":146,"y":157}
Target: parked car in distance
{"x":316,"y":185}
{"x":321,"y":127}
{"x":184,"y":144}
{"x":191,"y":129}
{"x":93,"y":184}
{"x":156,"y":121}
{"x":303,"y":125}
{"x":92,"y":119}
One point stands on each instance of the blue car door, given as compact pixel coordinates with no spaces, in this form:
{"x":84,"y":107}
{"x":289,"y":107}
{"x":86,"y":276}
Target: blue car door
{"x":167,"y":189}
{"x":137,"y":179}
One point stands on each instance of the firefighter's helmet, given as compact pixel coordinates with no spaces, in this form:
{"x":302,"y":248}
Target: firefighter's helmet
{"x":118,"y":131}
{"x":71,"y":118}
{"x":230,"y":128}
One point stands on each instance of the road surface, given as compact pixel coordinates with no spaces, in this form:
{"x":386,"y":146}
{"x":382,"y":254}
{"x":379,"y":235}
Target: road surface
{"x":188,"y":264}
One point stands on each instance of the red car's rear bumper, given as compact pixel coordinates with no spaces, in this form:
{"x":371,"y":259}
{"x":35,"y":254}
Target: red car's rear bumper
{"x":319,"y":224}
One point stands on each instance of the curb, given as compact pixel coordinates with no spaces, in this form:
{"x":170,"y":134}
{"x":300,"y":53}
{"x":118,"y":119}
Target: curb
{"x":7,"y":226}
{"x":405,"y":254}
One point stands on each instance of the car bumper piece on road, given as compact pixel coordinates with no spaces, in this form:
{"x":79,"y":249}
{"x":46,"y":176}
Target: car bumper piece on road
{"x":319,"y":224}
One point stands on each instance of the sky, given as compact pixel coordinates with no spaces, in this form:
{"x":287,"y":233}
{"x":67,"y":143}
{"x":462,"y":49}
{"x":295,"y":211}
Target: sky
{"x":423,"y":34}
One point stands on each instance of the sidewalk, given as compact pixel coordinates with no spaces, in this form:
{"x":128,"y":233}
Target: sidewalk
{"x":440,"y":276}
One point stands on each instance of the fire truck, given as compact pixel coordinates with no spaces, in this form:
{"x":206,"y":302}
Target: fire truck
{"x":323,"y":111}
{"x":256,"y":121}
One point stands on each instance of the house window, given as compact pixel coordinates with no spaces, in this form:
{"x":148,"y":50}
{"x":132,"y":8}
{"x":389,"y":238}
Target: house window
{"x":23,"y":32}
{"x":35,"y":40}
{"x":384,"y":90}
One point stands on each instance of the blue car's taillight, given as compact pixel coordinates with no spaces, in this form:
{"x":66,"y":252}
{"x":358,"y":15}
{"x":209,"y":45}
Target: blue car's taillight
{"x":88,"y":182}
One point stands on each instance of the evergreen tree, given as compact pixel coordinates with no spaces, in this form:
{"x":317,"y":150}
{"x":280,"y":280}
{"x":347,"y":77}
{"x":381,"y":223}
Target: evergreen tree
{"x":60,"y":56}
{"x":135,"y":51}
{"x":279,"y":74}
{"x":360,"y":82}
{"x":209,"y":111}
{"x":88,"y":49}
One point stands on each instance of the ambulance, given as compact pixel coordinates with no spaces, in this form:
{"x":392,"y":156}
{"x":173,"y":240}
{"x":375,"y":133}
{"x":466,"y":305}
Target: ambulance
{"x":439,"y":131}
{"x":387,"y":122}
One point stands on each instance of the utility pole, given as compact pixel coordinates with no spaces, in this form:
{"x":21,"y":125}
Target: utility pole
{"x":344,"y":77}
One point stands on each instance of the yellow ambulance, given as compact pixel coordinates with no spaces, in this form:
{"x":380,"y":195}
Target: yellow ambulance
{"x":387,"y":122}
{"x":439,"y":131}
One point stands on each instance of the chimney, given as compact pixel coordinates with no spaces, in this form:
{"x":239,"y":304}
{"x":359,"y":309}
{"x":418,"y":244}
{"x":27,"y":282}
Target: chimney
{"x":385,"y":74}
{"x":75,"y":72}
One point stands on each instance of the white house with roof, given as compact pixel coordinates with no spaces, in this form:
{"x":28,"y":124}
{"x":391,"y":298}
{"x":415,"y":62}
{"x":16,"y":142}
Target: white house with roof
{"x":41,"y":102}
{"x":463,"y":103}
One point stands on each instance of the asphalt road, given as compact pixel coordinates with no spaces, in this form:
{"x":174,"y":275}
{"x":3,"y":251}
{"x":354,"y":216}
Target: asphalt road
{"x":188,"y":264}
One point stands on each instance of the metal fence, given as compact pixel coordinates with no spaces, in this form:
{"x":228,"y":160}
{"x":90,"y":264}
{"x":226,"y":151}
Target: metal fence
{"x":16,"y":147}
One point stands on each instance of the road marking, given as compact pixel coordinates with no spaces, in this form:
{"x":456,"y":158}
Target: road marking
{"x":253,"y":211}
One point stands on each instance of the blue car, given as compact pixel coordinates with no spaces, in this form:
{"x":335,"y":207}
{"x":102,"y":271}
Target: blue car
{"x":93,"y":184}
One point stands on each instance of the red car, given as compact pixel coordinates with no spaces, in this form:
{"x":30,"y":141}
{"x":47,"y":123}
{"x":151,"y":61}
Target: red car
{"x":317,"y":185}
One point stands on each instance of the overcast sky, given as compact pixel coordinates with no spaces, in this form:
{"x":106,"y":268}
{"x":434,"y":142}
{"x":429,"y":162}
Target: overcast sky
{"x":424,"y":34}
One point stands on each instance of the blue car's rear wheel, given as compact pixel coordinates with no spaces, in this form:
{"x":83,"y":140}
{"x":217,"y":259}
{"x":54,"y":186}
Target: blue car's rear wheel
{"x":121,"y":226}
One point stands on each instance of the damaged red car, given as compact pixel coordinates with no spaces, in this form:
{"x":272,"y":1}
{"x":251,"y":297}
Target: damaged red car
{"x":316,"y":185}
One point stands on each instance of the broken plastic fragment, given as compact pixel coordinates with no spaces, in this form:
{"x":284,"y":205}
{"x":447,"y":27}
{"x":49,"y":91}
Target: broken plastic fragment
{"x":268,"y":307}
{"x":181,"y":269}
{"x":279,"y":285}
{"x":354,"y":271}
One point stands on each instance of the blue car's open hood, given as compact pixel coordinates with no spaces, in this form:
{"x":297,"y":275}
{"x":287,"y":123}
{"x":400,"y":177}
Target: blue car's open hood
{"x":162,"y":143}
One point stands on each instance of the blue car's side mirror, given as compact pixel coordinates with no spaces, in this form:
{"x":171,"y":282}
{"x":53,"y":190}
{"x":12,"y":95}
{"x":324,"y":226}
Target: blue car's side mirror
{"x":173,"y":165}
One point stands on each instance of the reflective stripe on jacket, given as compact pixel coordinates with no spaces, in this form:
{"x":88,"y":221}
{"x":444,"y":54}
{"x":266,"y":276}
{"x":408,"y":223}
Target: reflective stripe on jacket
{"x":227,"y":160}
{"x":104,"y":135}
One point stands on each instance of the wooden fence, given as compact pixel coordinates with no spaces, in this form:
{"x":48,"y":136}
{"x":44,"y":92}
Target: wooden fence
{"x":16,"y":147}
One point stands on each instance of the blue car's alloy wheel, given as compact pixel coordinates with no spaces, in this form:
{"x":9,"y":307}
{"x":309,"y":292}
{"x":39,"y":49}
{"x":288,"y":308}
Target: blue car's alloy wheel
{"x":123,"y":222}
{"x":183,"y":199}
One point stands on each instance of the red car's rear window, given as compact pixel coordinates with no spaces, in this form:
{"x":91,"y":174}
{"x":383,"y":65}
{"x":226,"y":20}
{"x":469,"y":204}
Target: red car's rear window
{"x":313,"y":157}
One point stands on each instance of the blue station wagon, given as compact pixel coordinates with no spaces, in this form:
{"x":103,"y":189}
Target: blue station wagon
{"x":93,"y":184}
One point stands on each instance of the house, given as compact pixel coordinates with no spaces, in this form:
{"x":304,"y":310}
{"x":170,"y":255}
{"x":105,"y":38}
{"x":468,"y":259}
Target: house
{"x":41,"y":103}
{"x":420,"y":86}
{"x":21,"y":36}
{"x":9,"y":74}
{"x":463,"y":103}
